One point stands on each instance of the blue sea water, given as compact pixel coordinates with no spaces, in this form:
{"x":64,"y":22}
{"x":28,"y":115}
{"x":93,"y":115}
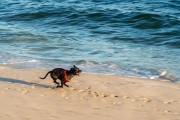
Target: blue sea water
{"x":138,"y":38}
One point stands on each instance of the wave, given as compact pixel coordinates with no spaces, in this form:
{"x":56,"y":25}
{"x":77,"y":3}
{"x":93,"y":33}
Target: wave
{"x":95,"y":67}
{"x":30,"y":16}
{"x":163,"y":74}
{"x":143,"y":20}
{"x":115,"y":69}
{"x":15,"y":35}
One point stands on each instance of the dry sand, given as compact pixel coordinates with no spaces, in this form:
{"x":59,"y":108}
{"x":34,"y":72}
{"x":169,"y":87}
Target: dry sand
{"x":23,"y":96}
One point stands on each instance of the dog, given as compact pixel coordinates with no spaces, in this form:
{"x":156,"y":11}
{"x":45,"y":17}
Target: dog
{"x":63,"y":75}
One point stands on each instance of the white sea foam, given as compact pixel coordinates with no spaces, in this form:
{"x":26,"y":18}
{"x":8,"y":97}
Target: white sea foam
{"x":19,"y":62}
{"x":163,"y":74}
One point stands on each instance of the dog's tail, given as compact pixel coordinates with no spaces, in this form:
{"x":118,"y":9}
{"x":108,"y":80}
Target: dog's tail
{"x":45,"y":75}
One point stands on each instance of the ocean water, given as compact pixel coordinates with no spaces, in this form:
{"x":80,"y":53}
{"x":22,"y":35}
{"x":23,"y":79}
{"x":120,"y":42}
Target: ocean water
{"x":137,"y":38}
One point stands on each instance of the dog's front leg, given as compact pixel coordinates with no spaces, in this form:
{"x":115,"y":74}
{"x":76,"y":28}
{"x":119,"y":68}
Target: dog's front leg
{"x":65,"y":84}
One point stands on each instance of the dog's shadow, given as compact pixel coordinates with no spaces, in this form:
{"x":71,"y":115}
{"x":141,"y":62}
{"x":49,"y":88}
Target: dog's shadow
{"x":23,"y":82}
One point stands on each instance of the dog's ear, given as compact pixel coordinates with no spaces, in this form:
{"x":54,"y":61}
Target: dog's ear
{"x":74,"y":66}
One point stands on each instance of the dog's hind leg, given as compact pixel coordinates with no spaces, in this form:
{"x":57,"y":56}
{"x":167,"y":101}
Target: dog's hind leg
{"x":62,"y":83}
{"x":54,"y":80}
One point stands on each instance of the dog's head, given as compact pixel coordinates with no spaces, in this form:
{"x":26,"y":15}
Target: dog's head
{"x":75,"y":70}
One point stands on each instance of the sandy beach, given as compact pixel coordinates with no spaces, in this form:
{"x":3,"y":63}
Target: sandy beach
{"x":23,"y":96}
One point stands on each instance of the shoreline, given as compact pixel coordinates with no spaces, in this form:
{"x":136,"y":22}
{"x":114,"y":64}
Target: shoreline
{"x":155,"y":77}
{"x":90,"y":95}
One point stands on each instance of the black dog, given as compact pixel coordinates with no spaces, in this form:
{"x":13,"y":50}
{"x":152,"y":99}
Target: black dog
{"x":63,"y":75}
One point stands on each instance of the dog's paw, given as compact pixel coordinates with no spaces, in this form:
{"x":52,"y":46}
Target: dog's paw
{"x":59,"y":86}
{"x":67,"y":85}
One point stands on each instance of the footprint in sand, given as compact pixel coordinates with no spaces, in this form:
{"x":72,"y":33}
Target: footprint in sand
{"x":117,"y":103}
{"x":81,"y":90}
{"x":25,"y":92}
{"x":94,"y":94}
{"x":88,"y":88}
{"x":167,"y":102}
{"x":146,"y":100}
{"x":19,"y":89}
{"x":83,"y":98}
{"x":141,"y":105}
{"x":167,"y":111}
{"x":133,"y":100}
{"x":33,"y":87}
{"x":113,"y":96}
{"x":103,"y":95}
{"x":126,"y":97}
{"x":7,"y":88}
